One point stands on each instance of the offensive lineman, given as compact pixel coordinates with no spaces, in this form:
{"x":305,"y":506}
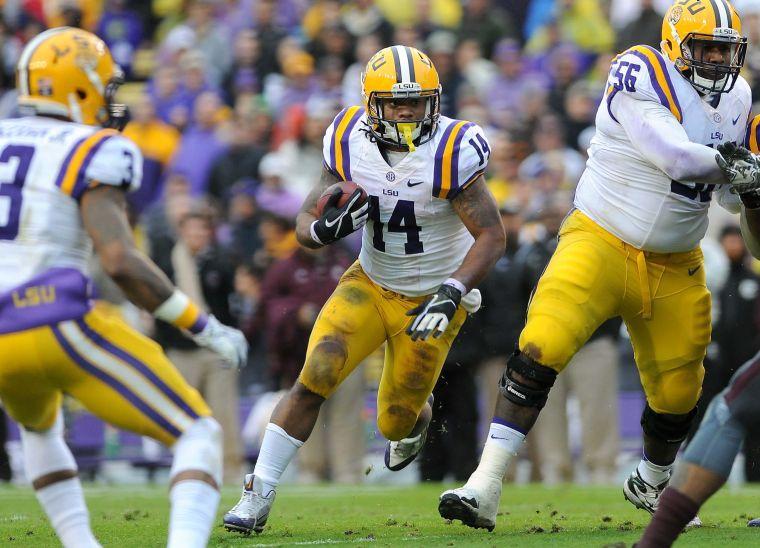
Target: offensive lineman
{"x":63,"y":183}
{"x":631,"y":248}
{"x":432,"y":232}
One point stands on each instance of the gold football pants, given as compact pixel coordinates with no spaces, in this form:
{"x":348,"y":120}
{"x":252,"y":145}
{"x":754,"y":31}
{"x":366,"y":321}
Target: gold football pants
{"x":118,"y":374}
{"x":662,"y":297}
{"x":359,"y":316}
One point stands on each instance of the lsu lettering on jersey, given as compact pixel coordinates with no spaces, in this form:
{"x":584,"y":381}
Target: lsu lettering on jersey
{"x":414,"y":239}
{"x":45,"y":166}
{"x":627,"y":194}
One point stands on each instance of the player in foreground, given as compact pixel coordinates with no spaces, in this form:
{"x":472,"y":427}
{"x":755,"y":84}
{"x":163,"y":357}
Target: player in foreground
{"x":64,"y":181}
{"x":432,"y":232}
{"x":631,"y":248}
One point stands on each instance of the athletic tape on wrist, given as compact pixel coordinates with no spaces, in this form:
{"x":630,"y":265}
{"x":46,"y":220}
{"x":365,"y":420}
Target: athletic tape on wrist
{"x":180,"y":311}
{"x":453,"y":282}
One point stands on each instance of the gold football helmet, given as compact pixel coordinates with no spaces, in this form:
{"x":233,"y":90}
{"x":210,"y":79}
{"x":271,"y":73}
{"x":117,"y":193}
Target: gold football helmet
{"x":69,"y":72}
{"x":401,"y":72}
{"x":692,"y":28}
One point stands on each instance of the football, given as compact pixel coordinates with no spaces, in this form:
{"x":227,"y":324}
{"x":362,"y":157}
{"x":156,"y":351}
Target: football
{"x":346,"y":187}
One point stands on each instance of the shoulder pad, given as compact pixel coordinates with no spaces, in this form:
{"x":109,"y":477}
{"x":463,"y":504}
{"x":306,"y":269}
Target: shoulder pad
{"x":642,"y":72}
{"x":461,"y":155}
{"x":103,"y":157}
{"x":335,"y":145}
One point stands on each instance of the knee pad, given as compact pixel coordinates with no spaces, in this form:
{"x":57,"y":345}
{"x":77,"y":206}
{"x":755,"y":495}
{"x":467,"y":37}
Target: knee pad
{"x":667,"y":427}
{"x":46,"y":452}
{"x":200,"y":448}
{"x":518,"y":392}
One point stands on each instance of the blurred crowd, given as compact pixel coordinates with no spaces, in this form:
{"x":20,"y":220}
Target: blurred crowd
{"x":229,"y":101}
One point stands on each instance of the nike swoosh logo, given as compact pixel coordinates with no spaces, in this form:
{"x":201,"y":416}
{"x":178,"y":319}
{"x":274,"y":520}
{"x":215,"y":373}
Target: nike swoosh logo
{"x":411,"y":184}
{"x":330,"y":224}
{"x":692,"y":271}
{"x":737,"y":119}
{"x":497,"y":438}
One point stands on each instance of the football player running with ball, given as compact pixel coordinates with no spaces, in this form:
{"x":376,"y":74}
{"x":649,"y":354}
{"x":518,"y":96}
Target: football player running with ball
{"x":65,"y":172}
{"x":432,"y":232}
{"x":630,"y":247}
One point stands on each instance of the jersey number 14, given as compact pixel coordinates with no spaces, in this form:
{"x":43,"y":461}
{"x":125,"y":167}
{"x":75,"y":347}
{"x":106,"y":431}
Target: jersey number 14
{"x":402,"y":220}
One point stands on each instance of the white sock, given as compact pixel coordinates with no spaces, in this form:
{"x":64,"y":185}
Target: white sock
{"x":502,"y":444}
{"x":654,"y":474}
{"x":277,"y":450}
{"x":63,"y":502}
{"x":193,"y":512}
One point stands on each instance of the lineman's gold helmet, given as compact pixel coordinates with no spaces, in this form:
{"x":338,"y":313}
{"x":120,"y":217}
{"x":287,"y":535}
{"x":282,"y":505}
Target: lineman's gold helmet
{"x":690,"y":28}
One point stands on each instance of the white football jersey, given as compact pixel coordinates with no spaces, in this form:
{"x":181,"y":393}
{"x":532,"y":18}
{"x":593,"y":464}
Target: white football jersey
{"x":626,"y":193}
{"x":45,"y":166}
{"x":414,"y":240}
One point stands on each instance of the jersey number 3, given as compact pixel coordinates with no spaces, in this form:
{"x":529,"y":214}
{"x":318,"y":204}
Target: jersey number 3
{"x":14,"y":165}
{"x":402,"y":220}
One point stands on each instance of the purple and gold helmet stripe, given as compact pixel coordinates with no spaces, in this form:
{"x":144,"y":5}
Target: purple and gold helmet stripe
{"x":722,"y":13}
{"x":339,"y":149}
{"x":397,"y":63}
{"x":127,"y":358}
{"x":410,"y":61}
{"x":72,"y":179}
{"x":85,"y":364}
{"x":658,"y":75}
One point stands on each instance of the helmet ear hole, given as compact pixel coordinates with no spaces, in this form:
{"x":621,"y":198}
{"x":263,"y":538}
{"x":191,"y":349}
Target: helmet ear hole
{"x":82,"y":94}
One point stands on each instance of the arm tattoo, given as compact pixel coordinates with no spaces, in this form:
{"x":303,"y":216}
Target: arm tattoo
{"x":477,"y":209}
{"x":104,"y":217}
{"x":307,"y":214}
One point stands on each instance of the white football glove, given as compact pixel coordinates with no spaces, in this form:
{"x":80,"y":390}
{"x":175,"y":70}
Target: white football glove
{"x":434,"y":314}
{"x":742,"y":170}
{"x":228,"y":342}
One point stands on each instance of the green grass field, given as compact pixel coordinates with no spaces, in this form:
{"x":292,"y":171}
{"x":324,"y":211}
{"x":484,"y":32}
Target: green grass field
{"x":531,"y":516}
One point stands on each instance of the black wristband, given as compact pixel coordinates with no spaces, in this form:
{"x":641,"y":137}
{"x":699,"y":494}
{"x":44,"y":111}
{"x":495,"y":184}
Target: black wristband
{"x":451,"y":292}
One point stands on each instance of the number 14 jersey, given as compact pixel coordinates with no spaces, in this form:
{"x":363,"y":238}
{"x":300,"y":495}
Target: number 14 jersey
{"x":414,"y":240}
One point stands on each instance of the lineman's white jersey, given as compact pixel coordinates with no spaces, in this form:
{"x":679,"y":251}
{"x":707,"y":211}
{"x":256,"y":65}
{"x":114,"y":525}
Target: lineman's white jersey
{"x":414,"y":239}
{"x":45,"y":167}
{"x":624,"y":191}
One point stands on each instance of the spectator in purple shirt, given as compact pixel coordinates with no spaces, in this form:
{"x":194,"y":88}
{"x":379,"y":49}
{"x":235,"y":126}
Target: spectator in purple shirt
{"x":200,"y":146}
{"x":122,"y":30}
